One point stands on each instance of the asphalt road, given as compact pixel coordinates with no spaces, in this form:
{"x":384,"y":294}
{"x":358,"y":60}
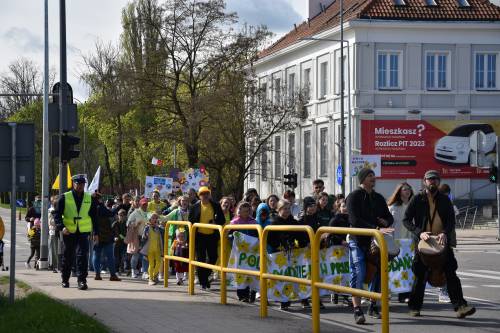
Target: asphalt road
{"x":478,"y":260}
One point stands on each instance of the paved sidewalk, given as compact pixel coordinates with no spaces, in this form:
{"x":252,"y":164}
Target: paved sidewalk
{"x":133,"y":306}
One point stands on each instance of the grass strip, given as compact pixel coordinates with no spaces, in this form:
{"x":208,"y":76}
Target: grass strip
{"x":39,"y":313}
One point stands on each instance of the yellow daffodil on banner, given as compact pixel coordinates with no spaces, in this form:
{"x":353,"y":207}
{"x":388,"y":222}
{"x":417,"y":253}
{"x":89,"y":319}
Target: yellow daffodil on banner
{"x":243,"y":246}
{"x":281,"y":259}
{"x":397,"y":283}
{"x":249,"y":279}
{"x":338,"y":252}
{"x":288,"y":290}
{"x":240,"y":279}
{"x":276,"y":293}
{"x":337,"y":280}
{"x":307,"y":252}
{"x":271,"y":284}
{"x":404,"y":275}
{"x":303,"y":288}
{"x":412,"y":247}
{"x":232,"y":261}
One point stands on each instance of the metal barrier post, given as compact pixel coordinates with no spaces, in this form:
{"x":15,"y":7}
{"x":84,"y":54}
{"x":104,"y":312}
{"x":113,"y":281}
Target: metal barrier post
{"x":225,"y":269}
{"x":264,"y":276}
{"x":384,"y":271}
{"x":166,"y":256}
{"x":192,"y":244}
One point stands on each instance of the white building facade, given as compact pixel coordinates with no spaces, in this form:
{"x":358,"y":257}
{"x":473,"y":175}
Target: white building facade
{"x":402,"y":61}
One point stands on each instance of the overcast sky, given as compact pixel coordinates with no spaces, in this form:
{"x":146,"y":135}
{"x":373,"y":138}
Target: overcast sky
{"x":21,"y":31}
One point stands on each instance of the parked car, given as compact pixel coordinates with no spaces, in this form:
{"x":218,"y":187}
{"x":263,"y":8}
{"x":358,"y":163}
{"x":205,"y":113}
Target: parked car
{"x":462,"y":144}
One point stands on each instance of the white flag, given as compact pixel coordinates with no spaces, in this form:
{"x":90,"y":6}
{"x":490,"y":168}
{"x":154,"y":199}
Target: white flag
{"x":94,"y":185}
{"x":156,"y":161}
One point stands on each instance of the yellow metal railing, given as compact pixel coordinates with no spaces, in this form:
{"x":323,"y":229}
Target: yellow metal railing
{"x":264,"y":276}
{"x":314,"y":281}
{"x":224,"y":244}
{"x":383,"y":296}
{"x":166,"y":256}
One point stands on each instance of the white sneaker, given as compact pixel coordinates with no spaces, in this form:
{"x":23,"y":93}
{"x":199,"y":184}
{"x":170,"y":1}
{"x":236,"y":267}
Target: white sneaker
{"x":145,"y":276}
{"x":135,"y":275}
{"x":160,"y":276}
{"x":27,"y":265}
{"x":151,"y":283}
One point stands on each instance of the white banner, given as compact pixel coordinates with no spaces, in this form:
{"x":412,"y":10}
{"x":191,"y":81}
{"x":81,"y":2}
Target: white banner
{"x":161,"y":184}
{"x":334,"y":268}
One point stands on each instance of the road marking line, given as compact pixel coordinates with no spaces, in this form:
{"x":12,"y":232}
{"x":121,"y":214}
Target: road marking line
{"x":484,"y":271}
{"x":479,"y":275}
{"x":468,"y":286}
{"x":494,"y":305}
{"x":491,"y":285}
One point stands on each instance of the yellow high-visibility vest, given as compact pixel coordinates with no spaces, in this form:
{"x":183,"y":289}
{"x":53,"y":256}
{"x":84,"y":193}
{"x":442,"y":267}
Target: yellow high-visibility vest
{"x":74,"y":219}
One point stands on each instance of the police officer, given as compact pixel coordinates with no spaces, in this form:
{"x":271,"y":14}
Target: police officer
{"x":75,"y":218}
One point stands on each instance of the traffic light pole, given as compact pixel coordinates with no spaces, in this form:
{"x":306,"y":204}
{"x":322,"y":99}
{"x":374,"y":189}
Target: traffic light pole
{"x":63,"y":91}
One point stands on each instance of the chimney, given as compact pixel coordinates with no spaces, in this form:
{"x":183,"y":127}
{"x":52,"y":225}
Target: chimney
{"x":317,"y":6}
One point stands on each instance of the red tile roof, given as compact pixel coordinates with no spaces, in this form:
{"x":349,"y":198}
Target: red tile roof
{"x":415,"y":10}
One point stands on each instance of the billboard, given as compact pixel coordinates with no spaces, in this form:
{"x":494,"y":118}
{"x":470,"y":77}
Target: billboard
{"x":457,"y":149}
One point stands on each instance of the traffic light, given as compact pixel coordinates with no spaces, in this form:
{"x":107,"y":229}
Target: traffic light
{"x":493,"y":177}
{"x":68,"y":150}
{"x":291,"y":180}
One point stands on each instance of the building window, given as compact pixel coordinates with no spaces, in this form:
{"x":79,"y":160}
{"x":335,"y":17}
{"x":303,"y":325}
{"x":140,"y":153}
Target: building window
{"x":277,"y":91}
{"x":323,"y":152}
{"x":263,"y":162}
{"x":306,"y":83}
{"x":323,"y":80}
{"x":263,"y":93}
{"x":291,"y":86}
{"x":486,"y":71}
{"x":291,"y":151}
{"x":252,"y":164}
{"x":277,"y":157}
{"x":389,"y":70}
{"x":437,"y":71}
{"x":307,"y":154}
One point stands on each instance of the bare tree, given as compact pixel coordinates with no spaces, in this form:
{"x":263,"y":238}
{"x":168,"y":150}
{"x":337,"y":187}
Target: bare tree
{"x":23,"y":77}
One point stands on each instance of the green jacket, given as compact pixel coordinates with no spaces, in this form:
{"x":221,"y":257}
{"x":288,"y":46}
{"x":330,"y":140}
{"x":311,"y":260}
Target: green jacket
{"x":175,"y":215}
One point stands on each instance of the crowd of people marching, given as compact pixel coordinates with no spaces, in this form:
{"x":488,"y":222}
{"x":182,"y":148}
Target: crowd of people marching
{"x":125,"y":235}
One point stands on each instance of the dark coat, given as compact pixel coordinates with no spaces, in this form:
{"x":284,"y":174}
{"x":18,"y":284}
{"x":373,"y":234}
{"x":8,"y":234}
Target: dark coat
{"x":285,"y":240}
{"x":364,"y":209}
{"x":417,"y":215}
{"x":342,"y":221}
{"x":195,"y":213}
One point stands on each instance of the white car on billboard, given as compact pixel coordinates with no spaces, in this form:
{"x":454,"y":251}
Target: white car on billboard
{"x":467,"y":144}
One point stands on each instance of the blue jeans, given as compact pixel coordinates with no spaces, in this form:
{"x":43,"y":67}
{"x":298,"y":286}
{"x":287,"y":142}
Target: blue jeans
{"x":107,"y":249}
{"x":357,"y":262}
{"x":144,"y":262}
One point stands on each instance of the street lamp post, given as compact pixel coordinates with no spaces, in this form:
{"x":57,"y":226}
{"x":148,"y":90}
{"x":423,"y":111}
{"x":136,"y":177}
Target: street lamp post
{"x":342,"y":111}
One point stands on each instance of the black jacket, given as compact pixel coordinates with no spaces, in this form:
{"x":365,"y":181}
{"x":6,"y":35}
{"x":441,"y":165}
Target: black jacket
{"x":342,"y":221}
{"x":417,"y":215}
{"x":195,"y":213}
{"x":105,"y":218}
{"x":311,"y":220}
{"x":284,"y":239}
{"x":364,"y":209}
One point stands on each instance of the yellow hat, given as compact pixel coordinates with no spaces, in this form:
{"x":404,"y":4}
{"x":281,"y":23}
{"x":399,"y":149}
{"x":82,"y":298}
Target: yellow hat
{"x":203,"y":189}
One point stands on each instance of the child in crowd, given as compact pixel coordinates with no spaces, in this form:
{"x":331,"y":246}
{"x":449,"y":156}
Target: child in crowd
{"x":244,"y":216}
{"x":153,"y":247}
{"x":34,"y":238}
{"x":180,"y":249}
